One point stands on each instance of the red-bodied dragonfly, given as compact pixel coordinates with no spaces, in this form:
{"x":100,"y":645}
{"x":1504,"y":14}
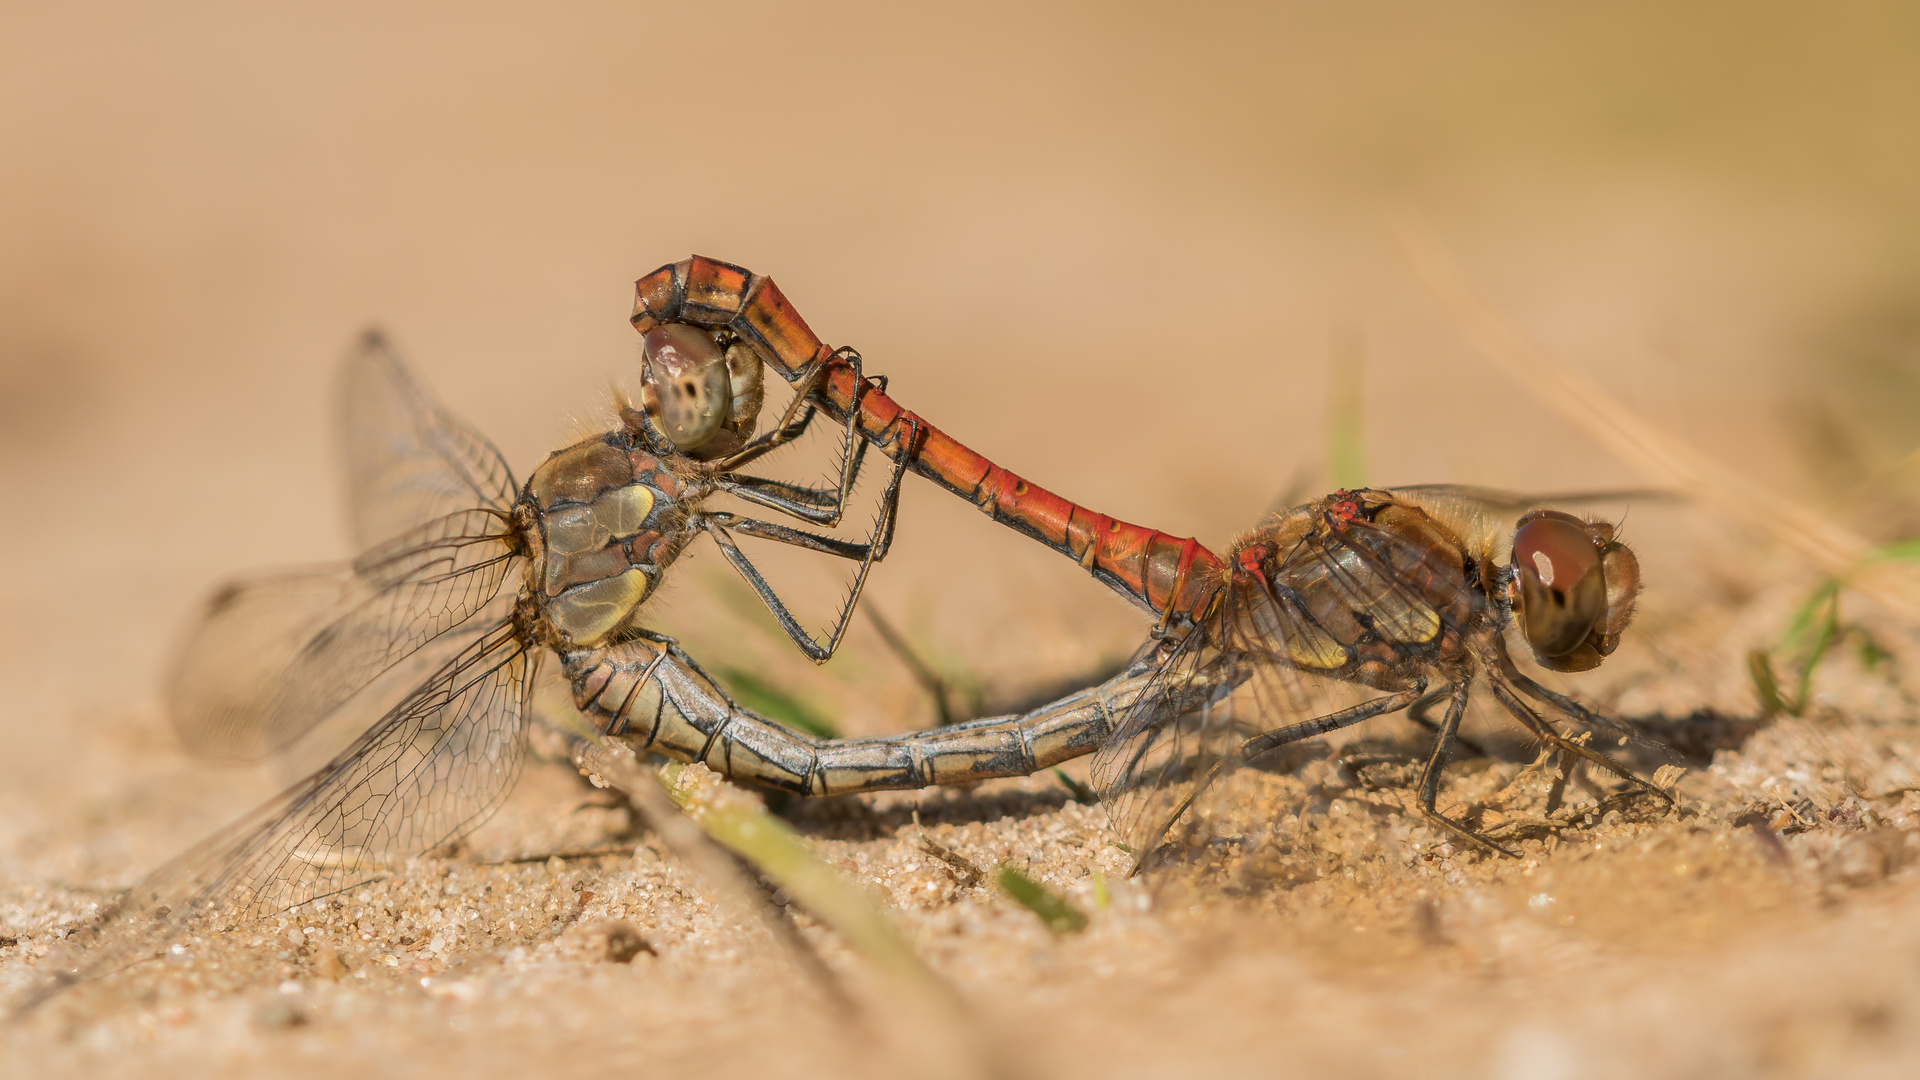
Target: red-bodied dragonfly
{"x":591,"y":532}
{"x":1400,"y":597}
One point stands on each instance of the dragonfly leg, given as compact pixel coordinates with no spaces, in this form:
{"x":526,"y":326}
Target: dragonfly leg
{"x":793,"y":423}
{"x":1430,"y":776}
{"x":800,"y":500}
{"x":820,"y":506}
{"x":760,"y":446}
{"x":718,"y":525}
{"x":1546,"y":733}
{"x":1417,"y":712}
{"x":1269,"y":741}
{"x":1562,"y":772}
{"x":1577,"y":712}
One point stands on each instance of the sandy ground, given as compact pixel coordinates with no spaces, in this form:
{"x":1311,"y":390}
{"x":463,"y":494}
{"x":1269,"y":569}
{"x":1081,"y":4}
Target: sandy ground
{"x":1766,"y":927}
{"x":1119,"y":250}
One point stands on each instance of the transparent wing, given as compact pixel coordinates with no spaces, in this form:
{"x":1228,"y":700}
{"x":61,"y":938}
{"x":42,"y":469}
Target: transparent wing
{"x":272,"y":657}
{"x":1174,"y":737}
{"x":409,"y":460}
{"x":1503,"y":501}
{"x":1256,"y":678}
{"x":1177,"y":769}
{"x":1399,"y":587}
{"x":429,"y":772}
{"x":1484,"y":518}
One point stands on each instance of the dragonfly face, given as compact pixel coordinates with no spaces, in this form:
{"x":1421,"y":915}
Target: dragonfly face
{"x":700,"y":398}
{"x":602,"y":518}
{"x":1572,"y":588}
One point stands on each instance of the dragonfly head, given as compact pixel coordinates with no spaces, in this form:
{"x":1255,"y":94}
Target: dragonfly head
{"x":1572,"y":588}
{"x":701,"y":399}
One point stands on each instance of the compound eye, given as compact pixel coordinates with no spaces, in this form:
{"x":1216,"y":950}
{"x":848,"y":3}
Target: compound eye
{"x":1561,"y":585}
{"x":689,"y":396}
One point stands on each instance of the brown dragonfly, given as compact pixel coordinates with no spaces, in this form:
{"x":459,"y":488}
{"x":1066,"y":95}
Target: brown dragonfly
{"x":1400,"y":597}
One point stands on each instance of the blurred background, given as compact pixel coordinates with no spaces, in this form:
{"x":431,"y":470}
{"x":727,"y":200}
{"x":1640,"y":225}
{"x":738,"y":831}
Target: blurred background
{"x":1138,"y":254}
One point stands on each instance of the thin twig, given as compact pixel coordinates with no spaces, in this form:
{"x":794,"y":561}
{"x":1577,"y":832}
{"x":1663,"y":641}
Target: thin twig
{"x":923,"y":673}
{"x":969,"y":874}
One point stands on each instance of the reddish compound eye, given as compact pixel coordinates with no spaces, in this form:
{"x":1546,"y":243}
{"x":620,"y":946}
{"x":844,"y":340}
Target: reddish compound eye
{"x":687,"y":383}
{"x":1558,"y":552}
{"x":1561,"y":587}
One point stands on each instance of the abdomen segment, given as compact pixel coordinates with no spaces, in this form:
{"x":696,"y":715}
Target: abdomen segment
{"x":643,"y":692}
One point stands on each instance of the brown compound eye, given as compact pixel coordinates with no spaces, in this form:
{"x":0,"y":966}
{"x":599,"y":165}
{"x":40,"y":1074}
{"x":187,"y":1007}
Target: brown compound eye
{"x":686,"y":388}
{"x":1560,"y":585}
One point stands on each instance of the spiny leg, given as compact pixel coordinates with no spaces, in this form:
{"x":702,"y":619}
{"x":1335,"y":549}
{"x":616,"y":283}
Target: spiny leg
{"x":723,"y":521}
{"x":1545,"y":731}
{"x":1430,"y":776}
{"x":793,"y":423}
{"x":781,"y":495}
{"x":717,"y":525}
{"x":865,"y":553}
{"x":1577,"y":712}
{"x":791,"y":427}
{"x":816,"y":505}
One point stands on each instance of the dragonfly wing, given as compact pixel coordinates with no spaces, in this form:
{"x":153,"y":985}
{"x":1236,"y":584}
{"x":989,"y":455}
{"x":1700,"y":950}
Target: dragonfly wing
{"x":1176,"y":760}
{"x":272,"y":657}
{"x":1484,"y":518}
{"x":409,"y":460}
{"x":432,"y":769}
{"x":1406,"y":581}
{"x":1177,"y":731}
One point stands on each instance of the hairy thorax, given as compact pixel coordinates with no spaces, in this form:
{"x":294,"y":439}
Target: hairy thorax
{"x":603,"y":518}
{"x":1359,"y":585}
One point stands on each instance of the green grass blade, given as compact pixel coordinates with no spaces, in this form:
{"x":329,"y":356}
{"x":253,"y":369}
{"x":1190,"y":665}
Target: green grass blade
{"x":1081,"y":793}
{"x":1895,"y":551}
{"x":776,"y":851}
{"x":1826,"y":631}
{"x":1346,"y":433}
{"x":1058,"y":915}
{"x":1765,"y":683}
{"x":775,"y":704}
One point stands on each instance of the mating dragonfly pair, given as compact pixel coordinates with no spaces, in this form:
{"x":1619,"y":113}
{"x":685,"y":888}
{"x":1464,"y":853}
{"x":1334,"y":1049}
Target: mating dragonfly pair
{"x":1351,"y":607}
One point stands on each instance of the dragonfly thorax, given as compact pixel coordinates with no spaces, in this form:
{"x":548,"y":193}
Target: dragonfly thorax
{"x":1359,"y":585}
{"x":604,"y":517}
